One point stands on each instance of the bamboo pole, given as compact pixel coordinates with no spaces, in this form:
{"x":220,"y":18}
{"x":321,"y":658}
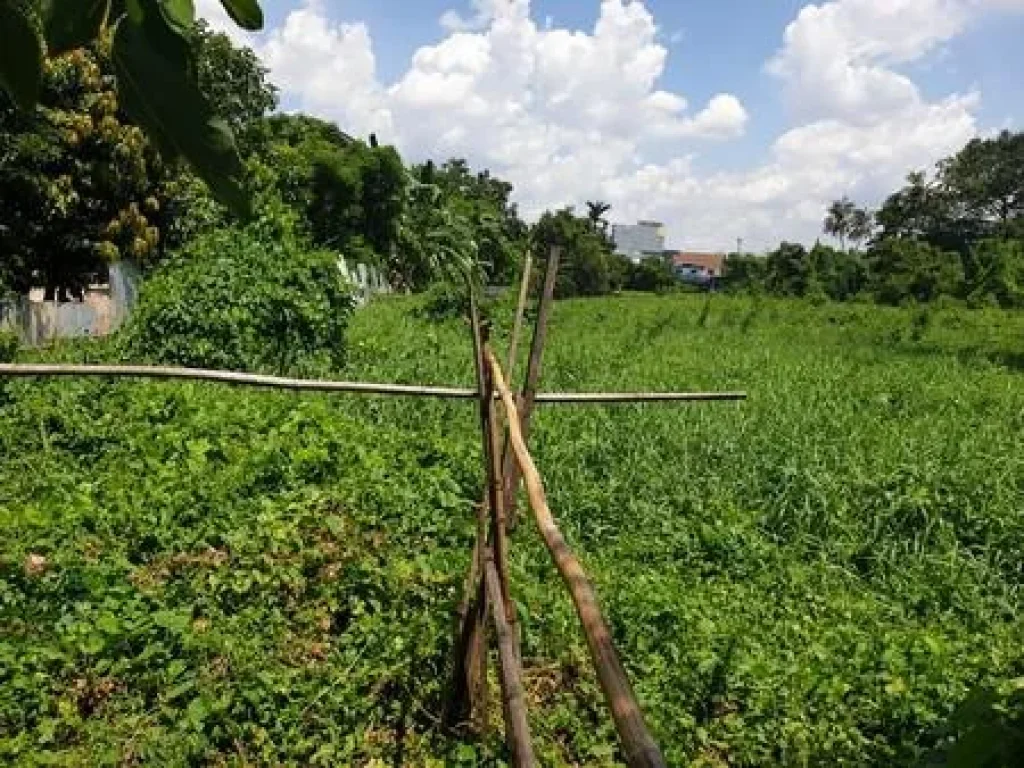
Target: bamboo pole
{"x":529,"y":392}
{"x":639,"y":747}
{"x":517,"y":725}
{"x":233,"y":377}
{"x":467,"y":688}
{"x":517,"y":325}
{"x":32,"y":370}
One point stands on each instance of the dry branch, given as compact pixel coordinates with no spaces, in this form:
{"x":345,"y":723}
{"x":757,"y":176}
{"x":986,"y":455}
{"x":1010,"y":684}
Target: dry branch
{"x":639,"y":747}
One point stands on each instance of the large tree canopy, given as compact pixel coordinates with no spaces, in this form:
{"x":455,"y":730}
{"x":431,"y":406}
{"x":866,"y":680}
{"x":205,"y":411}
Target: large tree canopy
{"x":81,"y":185}
{"x":154,"y":56}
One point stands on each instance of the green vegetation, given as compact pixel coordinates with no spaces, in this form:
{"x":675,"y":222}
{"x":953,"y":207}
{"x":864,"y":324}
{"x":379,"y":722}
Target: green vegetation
{"x":829,"y":573}
{"x":231,"y":301}
{"x":152,"y":48}
{"x":958,"y":235}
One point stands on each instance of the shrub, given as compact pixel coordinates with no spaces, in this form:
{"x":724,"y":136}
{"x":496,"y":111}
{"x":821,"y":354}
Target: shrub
{"x":230,"y":300}
{"x":651,"y":275}
{"x":906,"y":269}
{"x":998,"y":269}
{"x":8,"y":346}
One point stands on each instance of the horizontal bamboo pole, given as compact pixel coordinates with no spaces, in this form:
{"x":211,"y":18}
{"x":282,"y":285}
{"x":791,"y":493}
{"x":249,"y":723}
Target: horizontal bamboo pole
{"x":24,"y":370}
{"x":638,"y":746}
{"x":511,"y":674}
{"x":583,"y":398}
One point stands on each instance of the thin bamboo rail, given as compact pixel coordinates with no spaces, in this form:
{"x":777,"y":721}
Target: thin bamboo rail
{"x":28,"y":370}
{"x":639,"y":747}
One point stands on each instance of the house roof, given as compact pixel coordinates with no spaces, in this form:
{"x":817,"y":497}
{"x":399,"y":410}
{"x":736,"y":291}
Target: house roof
{"x":713,"y":262}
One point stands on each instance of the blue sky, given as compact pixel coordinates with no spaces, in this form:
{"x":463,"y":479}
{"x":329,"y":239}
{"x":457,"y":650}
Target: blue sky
{"x":725,"y":119}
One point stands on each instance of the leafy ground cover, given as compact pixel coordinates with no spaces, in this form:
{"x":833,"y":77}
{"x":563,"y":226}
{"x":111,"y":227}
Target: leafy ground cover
{"x":821,"y":575}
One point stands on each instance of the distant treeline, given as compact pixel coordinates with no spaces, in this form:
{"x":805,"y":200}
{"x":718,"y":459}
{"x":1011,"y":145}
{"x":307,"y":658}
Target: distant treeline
{"x":959,"y":233}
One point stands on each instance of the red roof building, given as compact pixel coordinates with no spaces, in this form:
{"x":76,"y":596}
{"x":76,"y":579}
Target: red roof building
{"x":711,"y":264}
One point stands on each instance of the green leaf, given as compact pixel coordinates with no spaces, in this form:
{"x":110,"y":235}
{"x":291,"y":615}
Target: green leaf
{"x":246,"y":13}
{"x":180,"y":14}
{"x":21,"y":54}
{"x":72,"y":23}
{"x":158,"y":94}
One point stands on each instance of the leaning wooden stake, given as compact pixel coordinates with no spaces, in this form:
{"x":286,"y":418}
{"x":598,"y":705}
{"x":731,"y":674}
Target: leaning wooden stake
{"x":638,"y":746}
{"x":517,"y":325}
{"x":467,"y":691}
{"x":529,"y":393}
{"x":517,"y":725}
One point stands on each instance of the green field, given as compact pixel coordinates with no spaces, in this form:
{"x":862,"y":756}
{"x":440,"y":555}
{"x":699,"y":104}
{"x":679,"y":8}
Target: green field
{"x":817,"y":576}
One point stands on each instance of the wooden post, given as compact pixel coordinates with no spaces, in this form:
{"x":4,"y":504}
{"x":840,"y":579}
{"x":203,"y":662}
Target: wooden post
{"x":517,"y":325}
{"x":529,"y":392}
{"x":517,"y":726}
{"x":468,"y":686}
{"x":638,"y":746}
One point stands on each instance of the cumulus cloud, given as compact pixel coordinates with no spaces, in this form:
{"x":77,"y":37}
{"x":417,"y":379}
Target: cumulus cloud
{"x":569,"y":114}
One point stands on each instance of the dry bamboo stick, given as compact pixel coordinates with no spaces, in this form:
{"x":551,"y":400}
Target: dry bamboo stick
{"x":639,"y":747}
{"x":233,"y":377}
{"x":517,"y":325}
{"x":529,"y":392}
{"x":28,"y":370}
{"x":511,"y":674}
{"x":584,"y":398}
{"x":467,"y":688}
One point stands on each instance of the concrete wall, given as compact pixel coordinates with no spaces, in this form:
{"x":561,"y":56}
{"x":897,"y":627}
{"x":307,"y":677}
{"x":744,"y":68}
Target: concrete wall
{"x":104,"y":309}
{"x":368,"y":281}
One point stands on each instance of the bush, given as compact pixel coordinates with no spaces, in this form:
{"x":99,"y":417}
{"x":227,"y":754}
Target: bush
{"x":998,"y":270}
{"x":907,"y":269}
{"x":651,"y":274}
{"x":8,"y":346}
{"x":232,"y":301}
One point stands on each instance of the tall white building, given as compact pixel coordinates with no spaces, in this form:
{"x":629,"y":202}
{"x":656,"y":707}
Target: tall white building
{"x":639,"y":241}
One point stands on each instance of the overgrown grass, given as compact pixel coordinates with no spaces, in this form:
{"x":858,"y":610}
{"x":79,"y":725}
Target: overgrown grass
{"x":816,"y":576}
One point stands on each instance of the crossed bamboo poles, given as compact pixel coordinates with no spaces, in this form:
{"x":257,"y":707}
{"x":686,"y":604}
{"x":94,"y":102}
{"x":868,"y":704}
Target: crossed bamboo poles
{"x":506,"y":462}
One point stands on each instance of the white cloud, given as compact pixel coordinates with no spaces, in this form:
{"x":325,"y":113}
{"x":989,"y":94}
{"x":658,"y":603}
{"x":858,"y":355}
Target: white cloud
{"x":569,"y":115}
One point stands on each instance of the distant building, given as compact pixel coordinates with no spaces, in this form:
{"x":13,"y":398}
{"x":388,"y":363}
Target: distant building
{"x":639,"y":241}
{"x":697,"y":268}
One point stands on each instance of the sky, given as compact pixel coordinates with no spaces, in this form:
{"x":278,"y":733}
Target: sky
{"x":728,"y":120}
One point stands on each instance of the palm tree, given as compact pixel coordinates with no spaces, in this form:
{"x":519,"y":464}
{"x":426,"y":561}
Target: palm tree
{"x":862,"y":225}
{"x":839,"y":219}
{"x":596,"y":209}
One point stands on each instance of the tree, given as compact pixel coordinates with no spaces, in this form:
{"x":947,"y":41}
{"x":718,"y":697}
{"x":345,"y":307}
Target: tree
{"x":744,"y":272}
{"x":482,"y":202}
{"x":986,"y":181}
{"x":156,"y":77}
{"x":998,"y":269}
{"x":652,"y":274}
{"x":839,"y":220}
{"x":839,"y":274}
{"x":596,"y":209}
{"x":586,"y":255}
{"x":80,"y":187}
{"x":789,"y":270}
{"x":910,"y":269}
{"x":862,"y":226}
{"x":847,"y":221}
{"x":235,"y":83}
